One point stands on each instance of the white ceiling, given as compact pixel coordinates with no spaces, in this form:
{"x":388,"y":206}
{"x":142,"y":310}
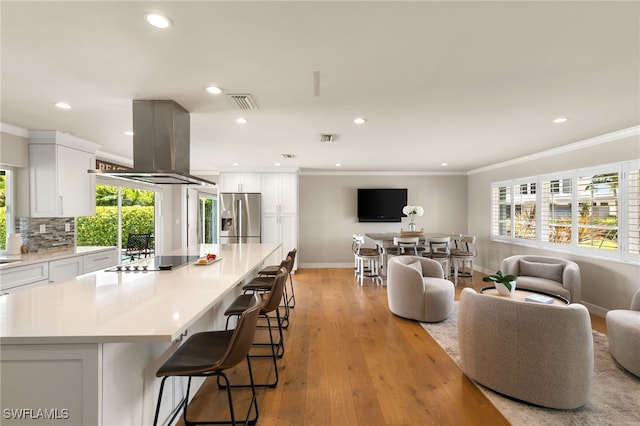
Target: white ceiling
{"x":468,"y":83}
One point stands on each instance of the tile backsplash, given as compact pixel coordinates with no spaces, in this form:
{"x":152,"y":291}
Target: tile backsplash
{"x":55,"y":235}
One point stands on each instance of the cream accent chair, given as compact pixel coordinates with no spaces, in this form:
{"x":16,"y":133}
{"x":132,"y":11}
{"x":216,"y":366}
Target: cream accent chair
{"x":416,"y":289}
{"x":537,"y":353}
{"x":623,"y":328}
{"x":549,"y":274}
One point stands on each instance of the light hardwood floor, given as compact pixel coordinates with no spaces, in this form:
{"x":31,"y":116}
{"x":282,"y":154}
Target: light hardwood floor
{"x":349,"y":361}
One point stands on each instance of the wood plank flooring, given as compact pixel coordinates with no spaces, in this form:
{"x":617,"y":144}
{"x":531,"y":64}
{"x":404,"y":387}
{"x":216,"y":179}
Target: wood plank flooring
{"x":349,"y":361}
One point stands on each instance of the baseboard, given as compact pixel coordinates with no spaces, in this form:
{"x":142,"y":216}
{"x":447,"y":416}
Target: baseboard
{"x":595,"y":309}
{"x":325,"y":265}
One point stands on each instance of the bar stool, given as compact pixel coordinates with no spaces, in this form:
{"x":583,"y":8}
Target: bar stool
{"x":272,"y":270}
{"x":367,"y":260}
{"x":265,"y":282}
{"x":405,"y":246}
{"x":462,"y":254}
{"x":270,"y":303}
{"x":439,"y":250}
{"x":210,"y":353}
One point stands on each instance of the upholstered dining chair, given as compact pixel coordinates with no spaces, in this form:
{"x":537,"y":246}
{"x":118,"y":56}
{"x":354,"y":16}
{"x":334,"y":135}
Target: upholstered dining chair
{"x":367,"y":260}
{"x":439,"y":250}
{"x":462,"y":255}
{"x":405,"y":246}
{"x":210,"y":353}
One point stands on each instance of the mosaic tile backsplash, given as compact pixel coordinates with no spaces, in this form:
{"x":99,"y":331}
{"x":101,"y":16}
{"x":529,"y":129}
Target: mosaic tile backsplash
{"x":55,"y":235}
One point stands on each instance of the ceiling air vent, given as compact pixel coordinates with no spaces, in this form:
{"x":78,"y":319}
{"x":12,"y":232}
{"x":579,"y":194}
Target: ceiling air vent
{"x":242,"y":101}
{"x":327,"y":138}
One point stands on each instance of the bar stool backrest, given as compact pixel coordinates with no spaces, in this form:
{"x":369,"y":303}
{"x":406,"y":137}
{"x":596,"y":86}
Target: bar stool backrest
{"x":271,"y":300}
{"x":243,"y":335}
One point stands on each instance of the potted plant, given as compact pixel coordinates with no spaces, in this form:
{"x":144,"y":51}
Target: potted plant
{"x":505,"y":284}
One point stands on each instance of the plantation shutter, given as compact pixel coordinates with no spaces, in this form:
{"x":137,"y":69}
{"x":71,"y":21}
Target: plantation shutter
{"x":598,"y":204}
{"x":632,"y":182}
{"x":501,"y":210}
{"x":556,"y":211}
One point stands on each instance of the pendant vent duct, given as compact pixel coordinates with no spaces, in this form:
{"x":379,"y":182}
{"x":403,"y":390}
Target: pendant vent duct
{"x":243,"y":101}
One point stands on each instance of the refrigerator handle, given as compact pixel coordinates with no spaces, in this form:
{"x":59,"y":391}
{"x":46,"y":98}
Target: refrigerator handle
{"x":239,"y":222}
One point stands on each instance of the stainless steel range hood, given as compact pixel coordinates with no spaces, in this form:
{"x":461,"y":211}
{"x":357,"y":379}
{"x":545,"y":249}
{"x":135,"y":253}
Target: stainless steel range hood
{"x":160,"y":145}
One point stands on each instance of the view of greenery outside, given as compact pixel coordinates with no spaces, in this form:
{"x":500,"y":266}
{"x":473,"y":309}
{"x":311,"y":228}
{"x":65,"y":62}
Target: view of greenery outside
{"x":207,"y":212}
{"x":138,"y":208}
{"x":3,"y":210}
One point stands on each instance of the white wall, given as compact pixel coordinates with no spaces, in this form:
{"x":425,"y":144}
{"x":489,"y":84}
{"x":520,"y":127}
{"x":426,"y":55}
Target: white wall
{"x":606,"y":284}
{"x":328,"y":203}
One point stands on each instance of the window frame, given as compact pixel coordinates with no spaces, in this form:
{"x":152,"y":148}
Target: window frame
{"x":568,"y":184}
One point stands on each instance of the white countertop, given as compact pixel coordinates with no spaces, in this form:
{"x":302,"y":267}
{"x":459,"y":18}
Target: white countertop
{"x":106,"y":307}
{"x":48,"y":255}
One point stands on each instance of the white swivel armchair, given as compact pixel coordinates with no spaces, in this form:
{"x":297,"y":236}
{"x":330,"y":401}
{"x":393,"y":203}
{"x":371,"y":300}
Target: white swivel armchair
{"x":416,"y":289}
{"x":623,"y":327}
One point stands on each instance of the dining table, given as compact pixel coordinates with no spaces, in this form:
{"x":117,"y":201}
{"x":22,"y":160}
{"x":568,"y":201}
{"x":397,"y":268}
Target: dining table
{"x":384,"y":240}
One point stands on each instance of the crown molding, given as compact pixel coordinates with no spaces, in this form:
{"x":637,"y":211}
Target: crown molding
{"x":606,"y":138}
{"x":14,"y":130}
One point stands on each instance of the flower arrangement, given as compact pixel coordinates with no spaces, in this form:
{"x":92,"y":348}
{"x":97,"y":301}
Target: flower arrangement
{"x":412,"y":212}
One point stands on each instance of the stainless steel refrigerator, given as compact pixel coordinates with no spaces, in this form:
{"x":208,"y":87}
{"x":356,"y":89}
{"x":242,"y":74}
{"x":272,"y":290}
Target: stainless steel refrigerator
{"x":239,"y":218}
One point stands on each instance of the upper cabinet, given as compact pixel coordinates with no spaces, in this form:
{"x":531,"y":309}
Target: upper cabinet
{"x":60,"y":185}
{"x":240,"y":182}
{"x":279,"y":194}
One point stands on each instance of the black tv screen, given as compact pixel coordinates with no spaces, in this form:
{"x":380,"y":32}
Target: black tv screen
{"x":381,"y":204}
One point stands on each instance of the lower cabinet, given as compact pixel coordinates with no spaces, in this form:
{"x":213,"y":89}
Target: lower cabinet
{"x":65,"y":269}
{"x":97,"y":261}
{"x":22,"y":276}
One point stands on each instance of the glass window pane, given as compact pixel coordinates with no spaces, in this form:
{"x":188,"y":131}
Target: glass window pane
{"x":555,"y":213}
{"x":525,"y":214}
{"x":102,"y":229}
{"x":3,"y":210}
{"x":598,"y":211}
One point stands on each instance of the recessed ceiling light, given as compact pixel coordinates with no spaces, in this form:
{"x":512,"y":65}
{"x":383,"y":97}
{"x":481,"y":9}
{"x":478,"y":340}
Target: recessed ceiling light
{"x":128,"y":133}
{"x":235,"y":164}
{"x":157,"y":20}
{"x":276,"y":164}
{"x":241,"y":120}
{"x":63,"y":105}
{"x":360,"y":120}
{"x":214,"y":90}
{"x":444,"y":164}
{"x":338,"y":164}
{"x":561,"y":120}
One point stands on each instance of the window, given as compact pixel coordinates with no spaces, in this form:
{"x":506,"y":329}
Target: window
{"x":597,"y":210}
{"x":501,"y":213}
{"x":525,"y":213}
{"x":594,"y":211}
{"x":555,"y":212}
{"x":120,"y":211}
{"x":3,"y":210}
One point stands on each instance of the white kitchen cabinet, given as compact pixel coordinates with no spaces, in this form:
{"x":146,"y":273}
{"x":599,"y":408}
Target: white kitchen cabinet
{"x":281,"y":229}
{"x":98,"y":261}
{"x":21,"y":276}
{"x":240,"y":182}
{"x":279,"y":194}
{"x":60,"y":185}
{"x":65,"y":269}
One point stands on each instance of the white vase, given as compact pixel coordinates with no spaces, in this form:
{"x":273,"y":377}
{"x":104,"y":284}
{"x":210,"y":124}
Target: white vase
{"x":502,"y":289}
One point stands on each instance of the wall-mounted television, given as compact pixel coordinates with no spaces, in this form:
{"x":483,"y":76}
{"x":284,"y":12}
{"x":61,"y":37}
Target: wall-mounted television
{"x":381,"y":204}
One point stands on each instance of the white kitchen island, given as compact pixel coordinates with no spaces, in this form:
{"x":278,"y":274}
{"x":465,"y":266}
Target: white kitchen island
{"x":85,"y":351}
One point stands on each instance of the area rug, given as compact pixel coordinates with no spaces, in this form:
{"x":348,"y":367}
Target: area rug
{"x":614,"y":397}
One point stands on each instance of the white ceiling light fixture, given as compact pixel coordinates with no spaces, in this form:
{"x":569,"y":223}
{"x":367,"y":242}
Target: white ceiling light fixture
{"x":360,"y":120}
{"x":444,"y":164}
{"x":338,"y":164}
{"x":242,"y":120}
{"x":63,"y":105}
{"x":157,"y":20}
{"x":276,"y":164}
{"x":214,"y":90}
{"x":561,"y":120}
{"x":128,"y":133}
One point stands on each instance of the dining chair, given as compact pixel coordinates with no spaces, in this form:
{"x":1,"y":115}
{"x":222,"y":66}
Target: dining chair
{"x":439,"y":250}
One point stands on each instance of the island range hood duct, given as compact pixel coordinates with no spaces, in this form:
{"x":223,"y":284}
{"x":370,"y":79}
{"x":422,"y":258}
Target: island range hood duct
{"x":160,"y":145}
